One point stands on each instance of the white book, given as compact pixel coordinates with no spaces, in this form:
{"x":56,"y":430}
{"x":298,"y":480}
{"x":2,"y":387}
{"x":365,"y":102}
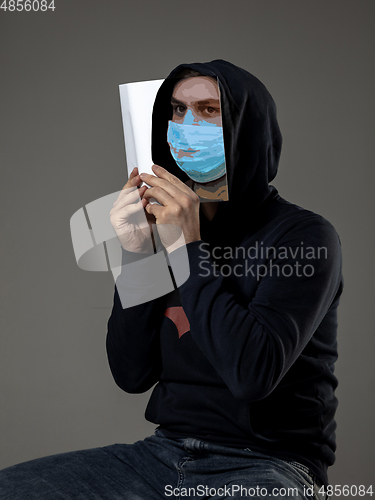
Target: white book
{"x":137,"y":101}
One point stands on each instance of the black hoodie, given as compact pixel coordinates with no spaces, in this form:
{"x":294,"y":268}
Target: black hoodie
{"x":243,"y":352}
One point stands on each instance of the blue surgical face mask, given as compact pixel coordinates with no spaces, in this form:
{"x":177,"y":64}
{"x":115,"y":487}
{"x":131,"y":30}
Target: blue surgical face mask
{"x":197,"y":149}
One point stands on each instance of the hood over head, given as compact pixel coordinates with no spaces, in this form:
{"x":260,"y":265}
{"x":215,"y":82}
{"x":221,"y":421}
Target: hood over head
{"x":252,"y":142}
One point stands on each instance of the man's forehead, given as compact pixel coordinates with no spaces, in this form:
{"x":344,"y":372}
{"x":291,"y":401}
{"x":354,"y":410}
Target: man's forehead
{"x":197,"y":88}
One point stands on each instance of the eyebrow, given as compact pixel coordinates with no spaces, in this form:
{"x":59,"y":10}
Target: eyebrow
{"x":206,"y":101}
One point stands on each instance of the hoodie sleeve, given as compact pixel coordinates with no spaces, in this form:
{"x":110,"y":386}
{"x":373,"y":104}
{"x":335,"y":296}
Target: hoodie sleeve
{"x":133,"y":346}
{"x":253,"y":337}
{"x":133,"y":332}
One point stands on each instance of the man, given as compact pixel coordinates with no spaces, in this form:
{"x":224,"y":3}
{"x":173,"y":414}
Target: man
{"x":243,"y":358}
{"x":243,"y":352}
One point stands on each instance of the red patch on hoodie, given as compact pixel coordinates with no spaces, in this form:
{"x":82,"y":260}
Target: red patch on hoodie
{"x":178,"y":316}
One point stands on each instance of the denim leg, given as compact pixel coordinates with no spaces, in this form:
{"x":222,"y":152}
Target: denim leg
{"x":136,"y":471}
{"x":158,"y":468}
{"x":224,"y":472}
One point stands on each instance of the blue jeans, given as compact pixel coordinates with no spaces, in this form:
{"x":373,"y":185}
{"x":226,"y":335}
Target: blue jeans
{"x":157,"y":468}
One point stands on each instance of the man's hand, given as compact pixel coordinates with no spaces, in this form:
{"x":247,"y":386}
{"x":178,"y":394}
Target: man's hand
{"x":128,"y":218}
{"x":179,"y":210}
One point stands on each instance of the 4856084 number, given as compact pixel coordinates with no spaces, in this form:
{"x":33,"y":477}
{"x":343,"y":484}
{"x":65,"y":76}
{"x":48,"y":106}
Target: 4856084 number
{"x":338,"y":490}
{"x":28,"y":5}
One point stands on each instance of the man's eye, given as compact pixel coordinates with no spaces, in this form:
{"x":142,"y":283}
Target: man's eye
{"x":178,"y":109}
{"x":210,"y":110}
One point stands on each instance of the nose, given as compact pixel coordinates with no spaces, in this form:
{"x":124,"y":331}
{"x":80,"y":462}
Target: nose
{"x":190,"y":119}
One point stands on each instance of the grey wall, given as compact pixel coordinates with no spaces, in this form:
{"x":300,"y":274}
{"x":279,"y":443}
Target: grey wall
{"x":62,"y":147}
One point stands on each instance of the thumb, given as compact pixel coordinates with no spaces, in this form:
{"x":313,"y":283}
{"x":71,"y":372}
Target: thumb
{"x":153,"y":209}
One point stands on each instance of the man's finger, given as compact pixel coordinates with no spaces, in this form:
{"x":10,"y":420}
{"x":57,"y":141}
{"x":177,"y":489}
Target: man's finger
{"x":164,"y":174}
{"x":172,"y":190}
{"x":132,"y":178}
{"x":127,"y":195}
{"x":167,"y":181}
{"x":155,"y":210}
{"x":132,"y":209}
{"x":160,"y":195}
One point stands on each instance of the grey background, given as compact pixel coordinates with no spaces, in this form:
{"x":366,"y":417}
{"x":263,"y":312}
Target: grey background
{"x":62,"y":147}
